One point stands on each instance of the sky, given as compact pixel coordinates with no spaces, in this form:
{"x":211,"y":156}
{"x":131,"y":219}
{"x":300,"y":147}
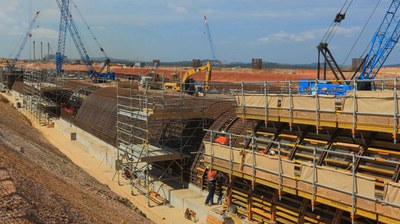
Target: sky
{"x":282,"y":31}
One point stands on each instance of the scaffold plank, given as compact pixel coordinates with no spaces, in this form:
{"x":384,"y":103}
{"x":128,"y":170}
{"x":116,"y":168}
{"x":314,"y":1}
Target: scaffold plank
{"x":153,"y":153}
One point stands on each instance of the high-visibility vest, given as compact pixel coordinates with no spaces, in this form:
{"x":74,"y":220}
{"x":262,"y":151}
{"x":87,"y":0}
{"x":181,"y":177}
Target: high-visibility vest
{"x":211,"y":174}
{"x":222,"y":140}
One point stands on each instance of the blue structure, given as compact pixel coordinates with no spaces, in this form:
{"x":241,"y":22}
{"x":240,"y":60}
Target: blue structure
{"x":64,"y":8}
{"x":383,"y":42}
{"x":324,"y":87}
{"x":68,"y":22}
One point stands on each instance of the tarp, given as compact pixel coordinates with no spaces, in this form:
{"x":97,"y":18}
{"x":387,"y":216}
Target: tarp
{"x":223,"y":152}
{"x":272,"y":164}
{"x":306,"y":102}
{"x":299,"y":102}
{"x":336,"y":179}
{"x":262,"y":161}
{"x":258,"y":100}
{"x":392,"y":192}
{"x":391,"y":195}
{"x":371,"y":102}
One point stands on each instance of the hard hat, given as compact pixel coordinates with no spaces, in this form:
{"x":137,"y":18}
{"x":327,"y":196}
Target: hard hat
{"x":271,"y":152}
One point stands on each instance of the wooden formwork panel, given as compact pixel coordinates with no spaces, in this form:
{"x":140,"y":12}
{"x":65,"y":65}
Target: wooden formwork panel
{"x":329,"y":180}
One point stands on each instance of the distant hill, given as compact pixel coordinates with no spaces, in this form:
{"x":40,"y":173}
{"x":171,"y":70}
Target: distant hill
{"x":392,"y":66}
{"x":227,"y":65}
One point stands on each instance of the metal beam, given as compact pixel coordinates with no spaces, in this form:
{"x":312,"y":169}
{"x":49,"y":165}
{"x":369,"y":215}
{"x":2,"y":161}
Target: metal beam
{"x":364,"y":149}
{"x":299,"y":140}
{"x":276,"y":135}
{"x":328,"y":146}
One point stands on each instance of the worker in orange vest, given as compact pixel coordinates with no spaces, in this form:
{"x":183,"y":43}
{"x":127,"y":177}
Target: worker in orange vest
{"x":222,"y":140}
{"x":211,"y":177}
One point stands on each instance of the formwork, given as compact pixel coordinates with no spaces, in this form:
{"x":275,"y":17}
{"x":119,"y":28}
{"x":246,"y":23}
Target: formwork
{"x":43,"y":94}
{"x":311,"y":158}
{"x":7,"y":78}
{"x":158,"y":134}
{"x":35,"y":103}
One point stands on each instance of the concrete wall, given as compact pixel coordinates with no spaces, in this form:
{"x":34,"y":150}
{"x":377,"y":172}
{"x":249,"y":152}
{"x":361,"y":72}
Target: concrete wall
{"x":181,"y":199}
{"x":101,"y":150}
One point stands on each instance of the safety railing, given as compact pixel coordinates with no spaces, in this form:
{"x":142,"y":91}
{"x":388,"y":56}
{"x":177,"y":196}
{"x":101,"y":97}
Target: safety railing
{"x":345,"y":187}
{"x":349,"y":103}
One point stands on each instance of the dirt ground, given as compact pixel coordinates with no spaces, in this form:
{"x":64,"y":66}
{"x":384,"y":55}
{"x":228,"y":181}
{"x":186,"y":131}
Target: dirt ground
{"x":222,"y":74}
{"x":38,"y":184}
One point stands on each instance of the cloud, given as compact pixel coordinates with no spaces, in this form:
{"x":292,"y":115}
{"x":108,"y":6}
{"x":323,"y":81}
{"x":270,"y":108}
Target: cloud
{"x":283,"y":36}
{"x":45,"y":33}
{"x":177,"y":9}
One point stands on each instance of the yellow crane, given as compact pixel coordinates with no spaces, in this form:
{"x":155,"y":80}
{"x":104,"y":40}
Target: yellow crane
{"x":188,"y":84}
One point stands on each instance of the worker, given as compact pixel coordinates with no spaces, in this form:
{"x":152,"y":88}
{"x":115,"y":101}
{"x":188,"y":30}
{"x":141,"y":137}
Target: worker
{"x":220,"y":181}
{"x":211,"y":177}
{"x":222,"y":140}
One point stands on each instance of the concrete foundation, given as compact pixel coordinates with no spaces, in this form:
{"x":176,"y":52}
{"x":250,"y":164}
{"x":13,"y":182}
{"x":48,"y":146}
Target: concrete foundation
{"x":192,"y":197}
{"x":101,"y":150}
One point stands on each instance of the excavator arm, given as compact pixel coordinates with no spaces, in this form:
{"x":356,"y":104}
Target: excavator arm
{"x":188,"y":84}
{"x":191,"y":72}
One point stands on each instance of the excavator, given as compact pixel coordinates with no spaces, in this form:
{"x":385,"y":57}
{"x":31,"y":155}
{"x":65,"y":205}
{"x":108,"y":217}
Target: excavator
{"x":188,"y":84}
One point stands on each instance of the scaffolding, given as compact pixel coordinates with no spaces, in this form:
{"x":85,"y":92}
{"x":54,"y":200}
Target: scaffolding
{"x":37,"y":101}
{"x":157,"y":133}
{"x":344,"y":189}
{"x":7,"y":78}
{"x":311,"y":157}
{"x":375,"y":110}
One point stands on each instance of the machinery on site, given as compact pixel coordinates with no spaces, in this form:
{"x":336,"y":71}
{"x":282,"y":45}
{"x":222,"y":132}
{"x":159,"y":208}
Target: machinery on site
{"x":382,"y":44}
{"x":10,"y":72}
{"x":28,"y":34}
{"x":207,"y":31}
{"x":67,"y":22}
{"x":151,"y":80}
{"x":189,"y":85}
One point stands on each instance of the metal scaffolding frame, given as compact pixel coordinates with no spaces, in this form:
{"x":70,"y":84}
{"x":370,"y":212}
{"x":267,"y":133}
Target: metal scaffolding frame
{"x":154,"y":133}
{"x":254,"y":172}
{"x":7,"y":78}
{"x":34,"y":100}
{"x":289,"y":90}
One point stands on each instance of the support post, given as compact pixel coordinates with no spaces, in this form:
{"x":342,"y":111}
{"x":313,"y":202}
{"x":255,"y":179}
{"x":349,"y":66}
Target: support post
{"x":266,"y":105}
{"x":291,"y":106}
{"x":280,"y":171}
{"x":314,"y":179}
{"x":353,"y":193}
{"x":395,"y":112}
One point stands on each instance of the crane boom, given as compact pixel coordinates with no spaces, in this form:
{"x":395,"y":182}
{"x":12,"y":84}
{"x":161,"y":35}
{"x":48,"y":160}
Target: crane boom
{"x":214,"y":58}
{"x":25,"y":39}
{"x":80,"y":46}
{"x":383,"y":42}
{"x":83,"y":53}
{"x":62,"y":35}
{"x":91,"y":31}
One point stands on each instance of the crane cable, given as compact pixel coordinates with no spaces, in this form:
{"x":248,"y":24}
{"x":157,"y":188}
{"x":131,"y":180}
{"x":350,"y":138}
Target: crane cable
{"x":359,"y":36}
{"x":90,"y":30}
{"x":336,"y":23}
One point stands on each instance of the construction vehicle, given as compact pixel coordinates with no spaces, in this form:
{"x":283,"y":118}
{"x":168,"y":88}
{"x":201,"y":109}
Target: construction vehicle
{"x":189,"y":85}
{"x":151,"y":80}
{"x":210,"y":42}
{"x":382,"y":44}
{"x":67,"y":22}
{"x":10,"y":72}
{"x":28,"y":34}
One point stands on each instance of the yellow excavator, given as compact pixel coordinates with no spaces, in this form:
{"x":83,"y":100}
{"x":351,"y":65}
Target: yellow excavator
{"x":188,"y":84}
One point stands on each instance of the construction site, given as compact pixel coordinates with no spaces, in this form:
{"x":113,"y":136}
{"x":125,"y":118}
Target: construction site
{"x":97,"y":142}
